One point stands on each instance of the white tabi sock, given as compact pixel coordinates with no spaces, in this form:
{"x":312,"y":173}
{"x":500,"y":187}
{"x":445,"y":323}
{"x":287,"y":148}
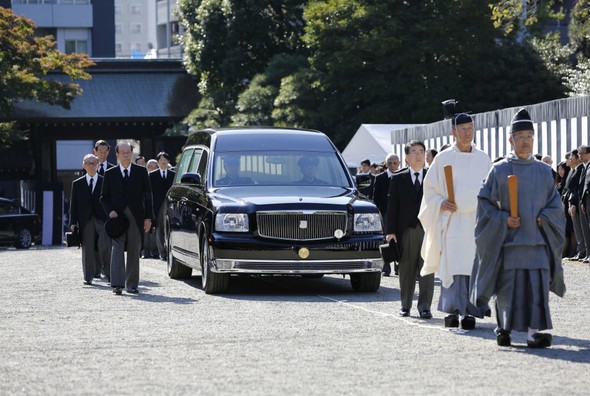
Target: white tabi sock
{"x":531,"y":334}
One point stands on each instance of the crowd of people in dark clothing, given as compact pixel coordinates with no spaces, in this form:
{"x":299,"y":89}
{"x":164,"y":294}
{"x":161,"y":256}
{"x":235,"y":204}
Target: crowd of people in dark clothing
{"x":485,"y":229}
{"x":117,"y":209}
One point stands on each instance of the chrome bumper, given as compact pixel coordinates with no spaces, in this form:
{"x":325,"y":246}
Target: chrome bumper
{"x":286,"y":267}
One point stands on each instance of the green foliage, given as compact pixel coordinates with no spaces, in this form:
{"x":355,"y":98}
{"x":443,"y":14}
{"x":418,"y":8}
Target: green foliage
{"x":297,"y":101}
{"x":256,"y":104}
{"x":230,"y":41}
{"x":348,"y":62}
{"x":9,"y":133}
{"x":514,"y":17}
{"x":579,"y":28}
{"x":395,"y":61}
{"x":26,"y":59}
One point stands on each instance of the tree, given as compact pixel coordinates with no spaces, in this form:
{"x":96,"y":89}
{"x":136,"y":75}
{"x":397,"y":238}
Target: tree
{"x":26,"y":59}
{"x":579,"y":29}
{"x":517,"y":17}
{"x":228,"y":42}
{"x":395,"y":61}
{"x":256,"y":103}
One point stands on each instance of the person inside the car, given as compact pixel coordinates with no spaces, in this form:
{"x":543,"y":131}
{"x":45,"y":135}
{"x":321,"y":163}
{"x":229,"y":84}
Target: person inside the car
{"x":231,"y":165}
{"x":308,"y":165}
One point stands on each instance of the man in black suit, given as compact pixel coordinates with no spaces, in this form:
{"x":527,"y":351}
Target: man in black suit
{"x":102,"y":150}
{"x":572,"y":199}
{"x":403,"y":226}
{"x":161,"y":179}
{"x":88,"y":216}
{"x":584,"y":198}
{"x":126,"y":191}
{"x":380,"y":195}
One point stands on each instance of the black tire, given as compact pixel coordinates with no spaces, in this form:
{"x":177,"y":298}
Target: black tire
{"x":312,"y":276}
{"x":213,"y":283}
{"x":368,"y":282}
{"x":24,"y":238}
{"x":175,"y":269}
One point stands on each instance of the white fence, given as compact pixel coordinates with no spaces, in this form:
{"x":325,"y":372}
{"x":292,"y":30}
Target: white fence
{"x":560,"y":126}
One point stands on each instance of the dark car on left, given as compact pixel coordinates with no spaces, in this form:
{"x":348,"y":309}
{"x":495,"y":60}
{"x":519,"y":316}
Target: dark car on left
{"x":18,"y":226}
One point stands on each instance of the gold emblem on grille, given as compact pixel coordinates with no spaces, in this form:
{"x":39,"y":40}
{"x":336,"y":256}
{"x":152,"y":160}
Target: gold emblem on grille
{"x":304,"y":253}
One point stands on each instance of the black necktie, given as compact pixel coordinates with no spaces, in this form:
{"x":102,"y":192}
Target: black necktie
{"x":125,"y":175}
{"x":91,"y":185}
{"x":164,"y":175}
{"x":417,"y":181}
{"x":101,"y":170}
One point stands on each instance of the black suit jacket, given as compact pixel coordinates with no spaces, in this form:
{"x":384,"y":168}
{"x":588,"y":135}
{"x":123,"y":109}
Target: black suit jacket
{"x":584,"y":186}
{"x":160,"y":188}
{"x":381,"y":191}
{"x":581,"y":182}
{"x":403,"y":202}
{"x":573,"y":185}
{"x":135,"y":194}
{"x":84,"y":205}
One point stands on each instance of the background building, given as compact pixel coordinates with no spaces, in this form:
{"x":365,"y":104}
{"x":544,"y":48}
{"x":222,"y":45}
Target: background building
{"x":82,"y":26}
{"x":147,"y":29}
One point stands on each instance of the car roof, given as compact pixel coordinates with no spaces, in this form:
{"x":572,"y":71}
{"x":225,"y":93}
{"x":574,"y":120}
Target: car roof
{"x":268,"y":138}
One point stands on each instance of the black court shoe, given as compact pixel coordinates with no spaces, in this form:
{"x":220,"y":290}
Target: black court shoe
{"x":468,"y":323}
{"x":451,"y":321}
{"x":540,"y":340}
{"x":503,"y":338}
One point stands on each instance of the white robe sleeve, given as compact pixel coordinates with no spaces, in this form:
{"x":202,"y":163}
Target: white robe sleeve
{"x":433,"y":220}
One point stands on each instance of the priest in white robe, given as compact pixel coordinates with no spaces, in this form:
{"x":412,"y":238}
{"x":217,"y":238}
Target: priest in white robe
{"x":448,"y":249}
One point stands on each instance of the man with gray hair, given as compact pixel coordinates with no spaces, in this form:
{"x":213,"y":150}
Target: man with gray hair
{"x":380,"y":194}
{"x":519,"y":248}
{"x":88,"y":216}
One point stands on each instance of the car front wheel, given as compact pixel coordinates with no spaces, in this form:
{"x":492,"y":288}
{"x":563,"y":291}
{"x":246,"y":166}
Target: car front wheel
{"x":24,"y":238}
{"x":213,"y":283}
{"x":368,"y":282}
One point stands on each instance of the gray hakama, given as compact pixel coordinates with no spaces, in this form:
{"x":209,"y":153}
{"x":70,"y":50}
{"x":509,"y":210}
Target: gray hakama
{"x":522,"y":295}
{"x":455,"y":299}
{"x":519,"y":266}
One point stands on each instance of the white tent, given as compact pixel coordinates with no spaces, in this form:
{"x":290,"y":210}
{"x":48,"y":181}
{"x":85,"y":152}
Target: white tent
{"x":371,"y":141}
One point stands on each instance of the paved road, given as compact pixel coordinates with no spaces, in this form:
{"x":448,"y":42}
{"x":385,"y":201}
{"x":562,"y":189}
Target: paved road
{"x":267,"y":336}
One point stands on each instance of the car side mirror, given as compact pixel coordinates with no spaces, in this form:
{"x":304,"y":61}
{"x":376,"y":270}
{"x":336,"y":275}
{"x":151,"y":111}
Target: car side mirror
{"x":364,"y":181}
{"x":191,"y":178}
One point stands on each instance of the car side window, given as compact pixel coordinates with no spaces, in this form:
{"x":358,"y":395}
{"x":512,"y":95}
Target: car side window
{"x":196,"y":158}
{"x":202,"y":168}
{"x":183,"y":165}
{"x":8,"y":208}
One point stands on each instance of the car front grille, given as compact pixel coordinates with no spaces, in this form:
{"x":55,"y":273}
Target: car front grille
{"x":301,"y":225}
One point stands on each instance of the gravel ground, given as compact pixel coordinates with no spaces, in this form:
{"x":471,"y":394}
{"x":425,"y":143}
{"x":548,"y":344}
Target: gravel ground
{"x":268,"y":335}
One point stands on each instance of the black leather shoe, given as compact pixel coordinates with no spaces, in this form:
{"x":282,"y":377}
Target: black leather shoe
{"x":404,"y":312}
{"x":468,"y":323}
{"x":451,"y":321}
{"x":540,"y":340}
{"x":503,"y":338}
{"x":133,"y":291}
{"x":89,"y":283}
{"x":426,"y":314}
{"x":117,"y":291}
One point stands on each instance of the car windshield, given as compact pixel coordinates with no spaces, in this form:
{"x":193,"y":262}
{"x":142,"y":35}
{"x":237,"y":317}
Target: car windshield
{"x":275,"y":168}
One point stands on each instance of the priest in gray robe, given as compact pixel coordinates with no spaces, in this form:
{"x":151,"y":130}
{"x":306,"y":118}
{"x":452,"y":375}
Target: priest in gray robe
{"x":519,"y":258}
